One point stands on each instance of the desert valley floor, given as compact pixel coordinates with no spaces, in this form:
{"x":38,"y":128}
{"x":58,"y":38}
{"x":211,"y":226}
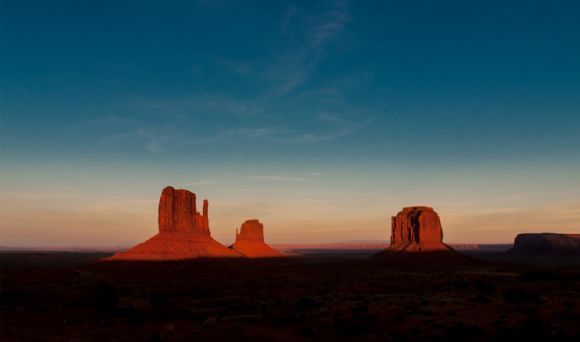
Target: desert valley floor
{"x":333,"y":295}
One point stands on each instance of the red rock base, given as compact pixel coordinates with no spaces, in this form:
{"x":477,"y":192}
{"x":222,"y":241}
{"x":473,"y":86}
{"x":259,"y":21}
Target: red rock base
{"x":176,"y":246}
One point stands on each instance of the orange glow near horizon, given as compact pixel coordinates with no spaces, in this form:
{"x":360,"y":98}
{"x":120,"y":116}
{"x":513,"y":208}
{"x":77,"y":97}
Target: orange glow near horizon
{"x":44,"y":220}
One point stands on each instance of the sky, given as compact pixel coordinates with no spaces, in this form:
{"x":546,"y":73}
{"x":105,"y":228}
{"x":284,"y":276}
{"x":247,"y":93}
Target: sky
{"x":320,"y":118}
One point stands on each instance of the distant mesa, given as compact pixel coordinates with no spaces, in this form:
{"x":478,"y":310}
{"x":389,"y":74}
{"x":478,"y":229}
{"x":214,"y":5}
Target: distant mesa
{"x":250,"y":241}
{"x":546,"y":244}
{"x":183,"y":232}
{"x":416,"y":229}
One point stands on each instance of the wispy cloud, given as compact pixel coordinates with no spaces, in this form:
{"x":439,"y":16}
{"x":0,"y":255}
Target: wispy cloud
{"x":251,"y":132}
{"x":336,"y":127}
{"x":175,"y":131}
{"x":206,"y":105}
{"x":118,"y":129}
{"x":278,"y":178}
{"x":326,"y":95}
{"x":309,"y":34}
{"x":38,"y":195}
{"x":200,"y":183}
{"x":237,"y":6}
{"x":330,"y":25}
{"x":319,"y":114}
{"x":300,"y":177}
{"x":238,"y":67}
{"x":327,"y":127}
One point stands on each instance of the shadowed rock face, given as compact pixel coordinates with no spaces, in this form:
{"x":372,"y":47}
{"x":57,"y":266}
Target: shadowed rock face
{"x":183,"y":232}
{"x":250,"y":241}
{"x":546,"y":244}
{"x":417,"y":229}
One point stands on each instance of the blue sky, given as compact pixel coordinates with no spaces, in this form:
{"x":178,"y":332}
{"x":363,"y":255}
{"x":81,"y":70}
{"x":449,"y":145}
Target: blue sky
{"x":351,"y":108}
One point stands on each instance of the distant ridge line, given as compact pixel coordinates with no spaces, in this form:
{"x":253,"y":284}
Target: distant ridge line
{"x":287,"y":246}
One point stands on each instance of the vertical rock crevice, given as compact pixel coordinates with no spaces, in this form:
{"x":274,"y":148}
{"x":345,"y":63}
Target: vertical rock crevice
{"x":417,"y":229}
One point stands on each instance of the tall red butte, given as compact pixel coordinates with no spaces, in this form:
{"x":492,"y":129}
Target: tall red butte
{"x":250,"y":241}
{"x":416,"y":229}
{"x":183,"y":232}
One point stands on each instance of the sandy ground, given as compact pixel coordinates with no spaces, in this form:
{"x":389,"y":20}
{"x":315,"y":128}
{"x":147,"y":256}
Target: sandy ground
{"x":330,"y":295}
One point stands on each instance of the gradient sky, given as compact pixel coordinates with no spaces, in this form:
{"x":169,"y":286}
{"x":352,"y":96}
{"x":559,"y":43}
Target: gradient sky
{"x":322,"y":119}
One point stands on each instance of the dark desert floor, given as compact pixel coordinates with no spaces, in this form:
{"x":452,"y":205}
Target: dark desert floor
{"x":320,"y":296}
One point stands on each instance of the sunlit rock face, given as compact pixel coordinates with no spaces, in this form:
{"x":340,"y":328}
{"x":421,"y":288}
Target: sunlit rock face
{"x":183,"y":232}
{"x":546,"y":244}
{"x":178,"y":212}
{"x":417,"y":229}
{"x":250,"y":241}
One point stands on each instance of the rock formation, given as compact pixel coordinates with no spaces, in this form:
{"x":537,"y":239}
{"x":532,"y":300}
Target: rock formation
{"x":417,"y":229}
{"x":178,"y":212}
{"x":183,"y":232}
{"x":546,"y":244}
{"x":250,"y":241}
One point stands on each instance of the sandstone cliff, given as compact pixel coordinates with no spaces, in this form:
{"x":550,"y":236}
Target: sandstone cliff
{"x":546,"y":244}
{"x":250,"y":241}
{"x":417,"y":231}
{"x":183,"y":232}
